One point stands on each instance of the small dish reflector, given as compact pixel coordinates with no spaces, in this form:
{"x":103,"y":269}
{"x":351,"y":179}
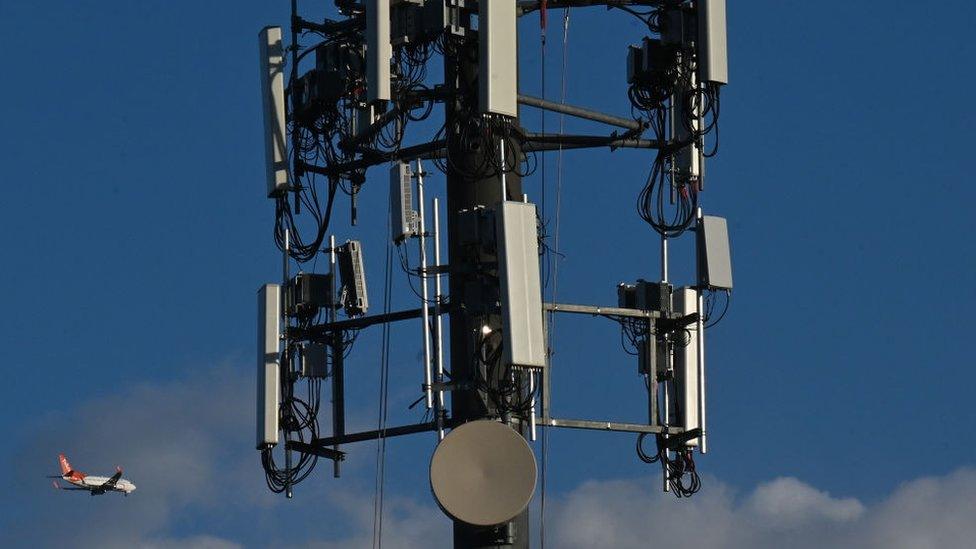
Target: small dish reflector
{"x":483,"y":473}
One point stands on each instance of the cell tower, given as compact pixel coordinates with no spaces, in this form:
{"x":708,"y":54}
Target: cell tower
{"x":349,"y":103}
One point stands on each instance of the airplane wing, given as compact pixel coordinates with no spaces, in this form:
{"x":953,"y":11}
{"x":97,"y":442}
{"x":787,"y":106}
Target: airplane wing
{"x":59,"y":487}
{"x":111,"y":482}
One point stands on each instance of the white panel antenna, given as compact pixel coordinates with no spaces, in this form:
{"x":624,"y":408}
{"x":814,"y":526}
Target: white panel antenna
{"x":498,"y":43}
{"x":379,"y":51}
{"x":713,"y":58}
{"x":521,"y":289}
{"x":714,"y":253}
{"x":686,"y":364}
{"x":273,"y":103}
{"x":269,"y":328}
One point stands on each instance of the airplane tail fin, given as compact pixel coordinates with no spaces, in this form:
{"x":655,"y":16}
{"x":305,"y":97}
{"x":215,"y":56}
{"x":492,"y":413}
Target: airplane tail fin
{"x":67,"y":470}
{"x":65,"y":466}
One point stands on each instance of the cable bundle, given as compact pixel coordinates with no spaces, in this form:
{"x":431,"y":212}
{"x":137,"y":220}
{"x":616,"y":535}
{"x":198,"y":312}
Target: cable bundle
{"x":681,"y":474}
{"x":506,"y":387}
{"x":299,"y":418}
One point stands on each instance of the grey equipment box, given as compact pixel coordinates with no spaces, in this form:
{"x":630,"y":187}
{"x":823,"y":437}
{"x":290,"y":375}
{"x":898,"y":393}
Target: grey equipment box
{"x":314,"y":360}
{"x":404,"y":222}
{"x":307,"y":293}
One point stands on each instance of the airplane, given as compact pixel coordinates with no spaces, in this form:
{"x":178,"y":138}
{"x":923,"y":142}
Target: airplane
{"x":96,"y":486}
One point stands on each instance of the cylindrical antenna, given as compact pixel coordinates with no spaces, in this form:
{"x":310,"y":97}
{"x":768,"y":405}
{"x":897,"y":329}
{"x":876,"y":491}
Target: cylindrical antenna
{"x":671,"y":135}
{"x":501,"y":147}
{"x":425,"y":315}
{"x":664,"y":259}
{"x":701,"y":146}
{"x":532,"y":433}
{"x":701,"y":351}
{"x":437,"y":321}
{"x":284,"y":272}
{"x":667,"y":420}
{"x":284,"y":260}
{"x":667,"y":361}
{"x":332,"y":277}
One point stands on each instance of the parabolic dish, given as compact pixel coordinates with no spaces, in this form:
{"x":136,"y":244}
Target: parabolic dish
{"x":483,"y":473}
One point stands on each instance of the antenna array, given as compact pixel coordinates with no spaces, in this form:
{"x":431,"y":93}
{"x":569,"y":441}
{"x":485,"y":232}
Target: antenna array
{"x":351,"y":100}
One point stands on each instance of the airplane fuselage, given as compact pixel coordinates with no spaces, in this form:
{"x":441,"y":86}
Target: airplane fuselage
{"x":93,"y":483}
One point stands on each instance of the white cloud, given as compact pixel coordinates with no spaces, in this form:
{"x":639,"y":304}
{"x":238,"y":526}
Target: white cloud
{"x":188,"y":446}
{"x":787,"y":503}
{"x":927,"y":513}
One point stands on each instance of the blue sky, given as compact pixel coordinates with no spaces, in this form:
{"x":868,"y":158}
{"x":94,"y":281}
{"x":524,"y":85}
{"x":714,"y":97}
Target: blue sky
{"x":135,"y":232}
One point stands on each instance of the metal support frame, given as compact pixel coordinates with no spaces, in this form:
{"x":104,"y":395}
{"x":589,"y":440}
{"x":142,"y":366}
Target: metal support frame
{"x":652,"y":388}
{"x":594,"y":425}
{"x":319,"y":443}
{"x":321,"y":331}
{"x":597,"y":310}
{"x":555,"y":141}
{"x":533,"y":142}
{"x":580,"y":112}
{"x":528,"y":6}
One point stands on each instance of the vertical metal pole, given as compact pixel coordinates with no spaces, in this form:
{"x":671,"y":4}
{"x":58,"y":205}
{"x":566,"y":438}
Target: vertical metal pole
{"x":338,"y":377}
{"x":439,"y":373}
{"x":425,"y":315}
{"x":701,"y":354}
{"x":665,"y":397}
{"x":287,"y":362}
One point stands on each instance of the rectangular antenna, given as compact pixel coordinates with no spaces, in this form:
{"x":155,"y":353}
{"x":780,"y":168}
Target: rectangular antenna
{"x":269,"y":329}
{"x":354,"y":297}
{"x":713,"y":59}
{"x":273,"y":103}
{"x":714,"y":256}
{"x":498,"y":70}
{"x":379,"y":51}
{"x":686,"y":364}
{"x":521,"y":290}
{"x":404,"y":222}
